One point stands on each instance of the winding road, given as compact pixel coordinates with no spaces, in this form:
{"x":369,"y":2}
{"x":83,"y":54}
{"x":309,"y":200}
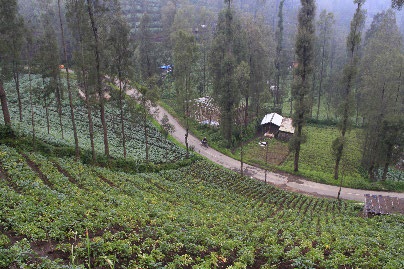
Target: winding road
{"x":284,"y":181}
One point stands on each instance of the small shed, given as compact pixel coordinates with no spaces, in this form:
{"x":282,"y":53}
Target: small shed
{"x":286,"y":130}
{"x":382,"y":205}
{"x":271,"y":123}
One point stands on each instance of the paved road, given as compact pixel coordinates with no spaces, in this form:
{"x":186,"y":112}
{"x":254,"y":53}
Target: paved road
{"x":287,"y":182}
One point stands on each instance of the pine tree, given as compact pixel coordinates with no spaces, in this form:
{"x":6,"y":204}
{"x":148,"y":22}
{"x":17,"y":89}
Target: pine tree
{"x":69,"y":91}
{"x":121,"y":65}
{"x":350,"y":72}
{"x":279,"y":47}
{"x":47,"y":62}
{"x":146,"y":49}
{"x":93,"y":8}
{"x":185,"y":53}
{"x":83,"y":57}
{"x":258,"y":55}
{"x":301,"y":88}
{"x":382,"y":67}
{"x":11,"y":43}
{"x":227,"y":51}
{"x":325,"y":26}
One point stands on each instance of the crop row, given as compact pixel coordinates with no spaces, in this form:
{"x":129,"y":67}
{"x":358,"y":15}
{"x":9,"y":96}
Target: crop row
{"x":184,"y":218}
{"x":161,"y":149}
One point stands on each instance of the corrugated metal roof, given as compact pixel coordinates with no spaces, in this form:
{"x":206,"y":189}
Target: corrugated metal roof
{"x":287,"y":126}
{"x":273,"y":118}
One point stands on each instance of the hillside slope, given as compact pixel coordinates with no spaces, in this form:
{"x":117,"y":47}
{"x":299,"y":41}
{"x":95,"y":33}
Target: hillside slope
{"x":56,"y":212}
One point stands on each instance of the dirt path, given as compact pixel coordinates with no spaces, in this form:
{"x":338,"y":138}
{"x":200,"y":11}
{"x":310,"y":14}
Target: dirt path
{"x":287,"y":182}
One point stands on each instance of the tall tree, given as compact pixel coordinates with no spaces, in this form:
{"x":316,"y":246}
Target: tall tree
{"x":95,"y":10}
{"x":350,"y":72}
{"x":83,"y":56}
{"x":11,"y":35}
{"x":325,"y":26}
{"x":301,"y":88}
{"x":243,"y":81}
{"x":16,"y":43}
{"x":121,"y":65}
{"x":225,"y":55}
{"x":278,"y":60}
{"x":146,"y":49}
{"x":47,"y":61}
{"x":185,"y":54}
{"x":69,"y":91}
{"x":258,"y":56}
{"x":382,"y":67}
{"x":147,"y":99}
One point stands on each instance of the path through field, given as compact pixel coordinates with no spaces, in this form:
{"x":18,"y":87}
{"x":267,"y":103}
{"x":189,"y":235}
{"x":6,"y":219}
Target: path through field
{"x":287,"y":182}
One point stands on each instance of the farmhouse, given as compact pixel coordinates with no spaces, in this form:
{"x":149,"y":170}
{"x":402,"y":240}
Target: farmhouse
{"x":271,"y":123}
{"x":286,"y":130}
{"x":275,"y":125}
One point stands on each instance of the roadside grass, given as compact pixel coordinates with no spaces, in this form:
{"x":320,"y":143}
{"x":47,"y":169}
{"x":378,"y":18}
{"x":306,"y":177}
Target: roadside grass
{"x":200,"y":131}
{"x":316,"y":158}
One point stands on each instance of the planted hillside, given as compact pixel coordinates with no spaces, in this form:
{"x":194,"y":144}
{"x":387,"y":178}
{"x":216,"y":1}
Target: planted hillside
{"x":161,"y":149}
{"x":58,"y":213}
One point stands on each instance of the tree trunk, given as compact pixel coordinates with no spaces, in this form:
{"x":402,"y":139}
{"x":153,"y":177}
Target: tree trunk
{"x":241,"y":152}
{"x":146,"y":135}
{"x":312,"y":95}
{"x":371,"y":171}
{"x":398,"y":88}
{"x":99,"y":82}
{"x":32,"y":107}
{"x":266,"y":160}
{"x":121,"y":97}
{"x":45,"y":100}
{"x":16,"y":77}
{"x":47,"y":116}
{"x":389,"y":156}
{"x":343,"y":132}
{"x":385,"y":171}
{"x":87,"y":96}
{"x":76,"y":139}
{"x":246,"y":112}
{"x":4,"y":105}
{"x":291,"y":106}
{"x":90,"y":122}
{"x":186,"y":116}
{"x":321,"y":82}
{"x":297,"y":149}
{"x":59,"y":107}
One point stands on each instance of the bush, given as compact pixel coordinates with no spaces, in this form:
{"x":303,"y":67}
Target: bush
{"x":6,"y":131}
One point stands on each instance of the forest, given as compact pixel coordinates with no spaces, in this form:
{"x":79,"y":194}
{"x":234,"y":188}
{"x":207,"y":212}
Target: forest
{"x":89,"y":178}
{"x":341,"y":68}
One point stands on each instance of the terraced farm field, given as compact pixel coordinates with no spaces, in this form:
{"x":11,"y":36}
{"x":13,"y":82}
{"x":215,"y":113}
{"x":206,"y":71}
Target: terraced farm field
{"x":159,"y":146}
{"x":57,"y":213}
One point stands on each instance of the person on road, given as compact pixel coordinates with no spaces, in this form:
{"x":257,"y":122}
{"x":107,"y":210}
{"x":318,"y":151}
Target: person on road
{"x":204,"y":141}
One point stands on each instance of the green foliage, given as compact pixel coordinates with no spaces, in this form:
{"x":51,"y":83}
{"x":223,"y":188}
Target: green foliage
{"x":199,"y":215}
{"x":161,"y":149}
{"x":226,"y":54}
{"x":6,"y":131}
{"x":338,"y":143}
{"x":317,"y":160}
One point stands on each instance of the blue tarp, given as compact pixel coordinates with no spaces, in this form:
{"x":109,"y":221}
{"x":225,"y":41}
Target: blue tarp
{"x":165,"y":67}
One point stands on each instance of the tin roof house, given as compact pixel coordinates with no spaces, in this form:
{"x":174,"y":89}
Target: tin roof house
{"x":275,"y":125}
